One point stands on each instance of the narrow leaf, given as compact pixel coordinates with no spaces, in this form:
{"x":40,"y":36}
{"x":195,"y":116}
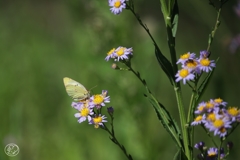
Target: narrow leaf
{"x":164,"y":64}
{"x":175,"y":14}
{"x":167,"y":121}
{"x":180,"y":155}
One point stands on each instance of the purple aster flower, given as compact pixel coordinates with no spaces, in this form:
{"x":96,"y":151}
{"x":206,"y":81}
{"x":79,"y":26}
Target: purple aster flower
{"x":204,"y":54}
{"x":183,"y":58}
{"x":84,"y":113}
{"x":185,"y":75}
{"x":198,"y":120}
{"x":192,"y":65}
{"x":212,"y":117}
{"x":98,"y":120}
{"x":104,"y":93}
{"x":233,"y":113}
{"x":210,"y":106}
{"x":201,"y":108}
{"x":77,"y":105}
{"x":219,"y":126}
{"x":206,"y":65}
{"x":99,"y":100}
{"x":110,"y":54}
{"x":212,"y":152}
{"x":199,"y":145}
{"x":219,"y":101}
{"x":85,"y":110}
{"x":117,"y":6}
{"x":122,"y":53}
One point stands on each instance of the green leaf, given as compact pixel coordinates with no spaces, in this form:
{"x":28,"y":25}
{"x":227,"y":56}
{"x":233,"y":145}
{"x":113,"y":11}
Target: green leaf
{"x":210,"y":38}
{"x":180,"y":155}
{"x":164,"y":9}
{"x":164,"y":64}
{"x":175,"y":16}
{"x":167,"y":121}
{"x":170,"y":13}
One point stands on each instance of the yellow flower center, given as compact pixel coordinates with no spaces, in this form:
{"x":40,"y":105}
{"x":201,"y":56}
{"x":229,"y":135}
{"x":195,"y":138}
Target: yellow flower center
{"x":120,"y":51}
{"x":218,"y":123}
{"x":198,"y":118}
{"x":111,"y":51}
{"x":200,"y":108}
{"x":96,"y":121}
{"x":191,"y":64}
{"x":211,"y":117}
{"x":117,"y":4}
{"x":218,"y":100}
{"x":183,"y":73}
{"x":84,"y":112}
{"x":212,"y":154}
{"x":185,"y":56}
{"x":205,"y":62}
{"x":98,"y":99}
{"x":233,"y":111}
{"x":209,"y":105}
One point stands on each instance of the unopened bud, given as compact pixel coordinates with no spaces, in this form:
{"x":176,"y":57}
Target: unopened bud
{"x":110,"y":110}
{"x":230,"y":145}
{"x":114,"y":66}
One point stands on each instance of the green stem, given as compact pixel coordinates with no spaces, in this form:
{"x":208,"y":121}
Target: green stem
{"x":114,"y":140}
{"x":183,"y":122}
{"x":209,"y":135}
{"x":171,"y":43}
{"x":217,"y":23}
{"x":220,"y":146}
{"x":179,"y":144}
{"x":191,"y":107}
{"x":171,"y":46}
{"x":190,"y":119}
{"x":141,"y":23}
{"x":233,"y":128}
{"x":167,"y":11}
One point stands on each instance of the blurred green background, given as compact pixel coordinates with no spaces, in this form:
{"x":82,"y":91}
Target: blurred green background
{"x":43,"y":41}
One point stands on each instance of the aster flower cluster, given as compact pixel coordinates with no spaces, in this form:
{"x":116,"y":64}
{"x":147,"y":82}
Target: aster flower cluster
{"x":90,"y":109}
{"x":212,"y":153}
{"x":216,"y":117}
{"x":119,"y":54}
{"x":117,"y":6}
{"x":193,"y":66}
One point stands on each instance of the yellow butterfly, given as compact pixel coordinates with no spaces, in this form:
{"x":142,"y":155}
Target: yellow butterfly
{"x":75,"y":90}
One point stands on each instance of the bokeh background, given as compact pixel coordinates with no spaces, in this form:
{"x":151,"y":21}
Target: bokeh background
{"x":43,"y":41}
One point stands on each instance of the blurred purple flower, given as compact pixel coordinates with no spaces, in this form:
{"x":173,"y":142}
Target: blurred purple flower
{"x":237,"y":9}
{"x":234,"y":44}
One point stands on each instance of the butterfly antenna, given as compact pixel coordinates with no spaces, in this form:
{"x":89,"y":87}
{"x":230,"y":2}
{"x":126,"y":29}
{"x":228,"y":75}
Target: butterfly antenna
{"x":92,"y":88}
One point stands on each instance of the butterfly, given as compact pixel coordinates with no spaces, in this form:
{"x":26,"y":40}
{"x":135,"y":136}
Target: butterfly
{"x":75,"y":90}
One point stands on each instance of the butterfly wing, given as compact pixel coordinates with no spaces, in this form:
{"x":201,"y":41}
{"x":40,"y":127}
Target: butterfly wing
{"x":75,"y":90}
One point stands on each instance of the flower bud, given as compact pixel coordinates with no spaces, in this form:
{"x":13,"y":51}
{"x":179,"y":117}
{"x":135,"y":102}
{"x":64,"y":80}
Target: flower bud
{"x":110,"y":110}
{"x":230,"y":145}
{"x":114,"y":66}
